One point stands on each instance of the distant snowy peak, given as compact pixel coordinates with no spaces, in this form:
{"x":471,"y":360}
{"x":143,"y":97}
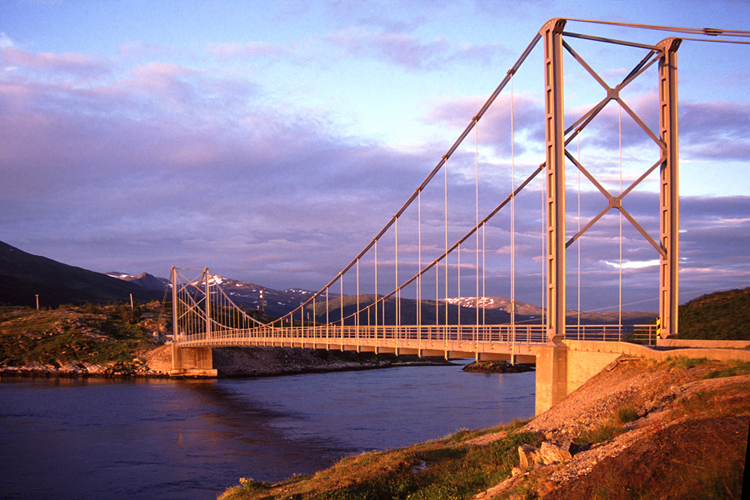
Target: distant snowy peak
{"x":501,"y":303}
{"x":144,"y":279}
{"x":120,"y":276}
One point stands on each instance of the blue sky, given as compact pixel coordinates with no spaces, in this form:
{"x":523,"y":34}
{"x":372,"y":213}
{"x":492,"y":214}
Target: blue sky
{"x":271,"y":141}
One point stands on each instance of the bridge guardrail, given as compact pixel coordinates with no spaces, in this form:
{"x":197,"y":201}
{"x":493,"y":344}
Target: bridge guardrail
{"x":503,"y":333}
{"x":351,"y":334}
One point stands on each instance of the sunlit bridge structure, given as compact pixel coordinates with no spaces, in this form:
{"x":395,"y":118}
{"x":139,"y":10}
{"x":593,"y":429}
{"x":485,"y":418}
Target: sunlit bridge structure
{"x":418,"y":286}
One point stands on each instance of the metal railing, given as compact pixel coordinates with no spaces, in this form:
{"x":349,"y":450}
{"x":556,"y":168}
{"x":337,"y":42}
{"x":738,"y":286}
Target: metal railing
{"x":639,"y":334}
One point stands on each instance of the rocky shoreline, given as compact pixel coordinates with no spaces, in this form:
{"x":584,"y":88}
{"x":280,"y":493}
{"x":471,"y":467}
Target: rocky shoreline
{"x":497,"y":367}
{"x":229,"y":362}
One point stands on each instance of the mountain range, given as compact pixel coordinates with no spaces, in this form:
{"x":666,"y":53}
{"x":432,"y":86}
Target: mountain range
{"x":23,"y":276}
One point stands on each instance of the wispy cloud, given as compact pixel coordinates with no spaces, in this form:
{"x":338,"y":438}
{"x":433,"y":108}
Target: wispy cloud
{"x":716,"y":130}
{"x":5,"y":41}
{"x":495,"y":126}
{"x":406,"y":50}
{"x":244,"y":50}
{"x":148,"y":160}
{"x":70,"y":64}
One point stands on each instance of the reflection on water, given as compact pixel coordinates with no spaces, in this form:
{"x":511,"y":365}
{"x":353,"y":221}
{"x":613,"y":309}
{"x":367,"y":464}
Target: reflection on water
{"x":145,"y":439}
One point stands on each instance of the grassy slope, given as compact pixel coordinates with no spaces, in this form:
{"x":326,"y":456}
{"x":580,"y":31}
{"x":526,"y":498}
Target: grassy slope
{"x":87,"y":334}
{"x":436,"y":469}
{"x":717,"y":316}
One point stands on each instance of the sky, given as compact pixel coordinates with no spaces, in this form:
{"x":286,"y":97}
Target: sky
{"x":271,"y":141}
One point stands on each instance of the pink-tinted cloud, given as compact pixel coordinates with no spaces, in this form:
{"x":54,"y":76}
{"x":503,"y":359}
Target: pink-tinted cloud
{"x":715,"y":130}
{"x":244,"y":50}
{"x":408,"y":51}
{"x":140,"y":49}
{"x":495,"y":125}
{"x":71,"y":64}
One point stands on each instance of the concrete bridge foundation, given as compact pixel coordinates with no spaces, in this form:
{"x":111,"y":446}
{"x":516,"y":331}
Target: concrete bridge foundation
{"x":192,"y":362}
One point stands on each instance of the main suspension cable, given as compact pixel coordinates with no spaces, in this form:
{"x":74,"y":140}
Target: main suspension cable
{"x":674,"y":29}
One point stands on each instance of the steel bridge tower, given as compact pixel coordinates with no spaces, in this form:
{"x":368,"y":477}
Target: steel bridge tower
{"x":555,"y":133}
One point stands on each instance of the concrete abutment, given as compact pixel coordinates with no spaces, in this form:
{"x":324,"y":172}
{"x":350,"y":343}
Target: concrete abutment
{"x":192,"y":362}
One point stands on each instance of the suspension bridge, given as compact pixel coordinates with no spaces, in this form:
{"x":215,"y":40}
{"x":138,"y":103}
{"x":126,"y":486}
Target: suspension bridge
{"x":398,"y":294}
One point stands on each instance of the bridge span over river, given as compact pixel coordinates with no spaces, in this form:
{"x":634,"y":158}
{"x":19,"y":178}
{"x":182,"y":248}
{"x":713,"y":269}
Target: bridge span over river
{"x":400,"y":290}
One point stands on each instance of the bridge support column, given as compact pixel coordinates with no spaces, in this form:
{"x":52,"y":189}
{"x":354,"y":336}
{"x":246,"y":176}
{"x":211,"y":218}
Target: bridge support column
{"x":192,"y":362}
{"x":551,"y":376}
{"x":555,"y":177}
{"x":669,"y":277}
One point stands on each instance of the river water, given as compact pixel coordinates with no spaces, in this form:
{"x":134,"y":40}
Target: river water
{"x":170,"y":439}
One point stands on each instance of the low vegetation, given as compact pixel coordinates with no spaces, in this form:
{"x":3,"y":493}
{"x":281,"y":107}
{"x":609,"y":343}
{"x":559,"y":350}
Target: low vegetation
{"x":441,"y":469}
{"x":91,"y":333}
{"x":683,"y":433}
{"x":717,"y":316}
{"x":497,"y":367}
{"x":610,"y":428}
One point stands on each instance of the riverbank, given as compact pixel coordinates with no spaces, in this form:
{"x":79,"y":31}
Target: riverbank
{"x":120,"y":341}
{"x":230,"y":362}
{"x":638,"y":429}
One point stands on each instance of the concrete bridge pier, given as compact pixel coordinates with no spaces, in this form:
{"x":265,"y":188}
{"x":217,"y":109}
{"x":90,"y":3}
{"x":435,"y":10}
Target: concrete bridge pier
{"x":551,"y":376}
{"x":192,"y":362}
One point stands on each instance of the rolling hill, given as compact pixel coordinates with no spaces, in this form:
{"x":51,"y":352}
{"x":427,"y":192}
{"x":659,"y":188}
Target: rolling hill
{"x":718,"y":316}
{"x":23,"y":276}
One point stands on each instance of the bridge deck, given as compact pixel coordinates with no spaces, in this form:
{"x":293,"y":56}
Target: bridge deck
{"x":450,"y":341}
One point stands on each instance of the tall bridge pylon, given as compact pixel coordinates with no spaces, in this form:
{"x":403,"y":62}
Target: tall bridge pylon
{"x":557,"y":137}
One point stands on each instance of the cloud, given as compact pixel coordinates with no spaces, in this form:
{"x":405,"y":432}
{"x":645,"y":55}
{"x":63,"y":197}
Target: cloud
{"x":139,"y":50}
{"x":708,"y":131}
{"x":5,"y":41}
{"x":69,"y":64}
{"x":244,"y":50}
{"x":162,"y":164}
{"x":715,"y":130}
{"x":495,"y":125}
{"x":408,"y":51}
{"x":171,"y":166}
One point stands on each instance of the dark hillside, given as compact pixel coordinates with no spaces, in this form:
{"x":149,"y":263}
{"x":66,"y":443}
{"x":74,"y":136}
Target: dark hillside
{"x":23,"y":275}
{"x":717,"y":316}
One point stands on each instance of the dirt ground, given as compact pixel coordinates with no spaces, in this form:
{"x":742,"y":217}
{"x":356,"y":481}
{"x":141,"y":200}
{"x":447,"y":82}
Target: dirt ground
{"x":688,"y":438}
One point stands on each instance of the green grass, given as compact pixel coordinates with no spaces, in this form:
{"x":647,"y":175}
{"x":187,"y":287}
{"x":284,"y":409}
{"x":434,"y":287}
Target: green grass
{"x":92,"y":334}
{"x":469,"y":434}
{"x":440,"y":469}
{"x":736,"y":367}
{"x":718,"y":316}
{"x":610,"y":428}
{"x":683,"y":363}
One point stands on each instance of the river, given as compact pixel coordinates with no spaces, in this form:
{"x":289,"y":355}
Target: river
{"x":191,"y":439}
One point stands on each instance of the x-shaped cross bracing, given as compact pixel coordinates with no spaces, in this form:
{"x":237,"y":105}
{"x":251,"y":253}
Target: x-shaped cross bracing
{"x":613,"y":94}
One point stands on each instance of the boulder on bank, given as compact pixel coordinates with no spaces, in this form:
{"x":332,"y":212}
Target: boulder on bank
{"x":497,"y":367}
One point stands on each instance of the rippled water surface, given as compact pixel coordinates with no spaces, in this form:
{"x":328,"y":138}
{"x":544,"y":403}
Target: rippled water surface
{"x":148,"y":439}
